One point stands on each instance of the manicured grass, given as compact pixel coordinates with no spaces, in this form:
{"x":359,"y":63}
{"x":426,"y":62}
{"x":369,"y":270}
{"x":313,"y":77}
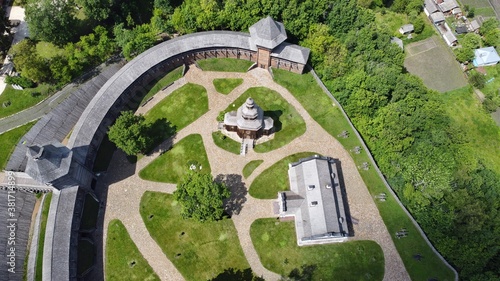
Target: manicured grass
{"x":277,"y":174}
{"x":90,"y":212}
{"x":8,"y":141}
{"x":225,"y":65}
{"x":41,"y":236}
{"x":276,"y":244}
{"x":22,"y":99}
{"x":174,"y":164}
{"x":477,"y":126}
{"x":48,"y":50}
{"x":181,"y":107}
{"x":226,"y":143}
{"x":318,"y":104}
{"x":226,"y":85}
{"x":200,"y":251}
{"x":163,"y":82}
{"x":123,"y":259}
{"x":288,"y":123}
{"x":250,"y":167}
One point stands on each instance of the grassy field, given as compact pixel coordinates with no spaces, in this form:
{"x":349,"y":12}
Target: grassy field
{"x":200,"y":251}
{"x":181,"y":107}
{"x":41,"y":236}
{"x":479,"y":129}
{"x":48,"y":50}
{"x":225,"y":65}
{"x":278,"y":175}
{"x":319,"y":106}
{"x":171,"y":166}
{"x":226,"y":143}
{"x":288,"y":123}
{"x":250,"y":167}
{"x":226,"y":85}
{"x":8,"y":141}
{"x":393,"y":21}
{"x":481,"y":7}
{"x":22,"y":99}
{"x":276,"y":245}
{"x":442,"y":76}
{"x":493,"y":75}
{"x":123,"y":259}
{"x":163,"y":82}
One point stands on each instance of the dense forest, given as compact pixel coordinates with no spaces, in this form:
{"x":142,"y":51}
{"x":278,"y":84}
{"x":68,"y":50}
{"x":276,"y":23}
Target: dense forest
{"x":424,"y":154}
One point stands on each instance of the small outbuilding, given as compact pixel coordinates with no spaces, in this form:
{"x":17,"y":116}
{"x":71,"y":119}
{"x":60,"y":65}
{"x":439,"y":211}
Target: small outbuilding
{"x":406,"y":29}
{"x":485,"y":57}
{"x":461,"y":29}
{"x":430,"y":7}
{"x":437,"y":17}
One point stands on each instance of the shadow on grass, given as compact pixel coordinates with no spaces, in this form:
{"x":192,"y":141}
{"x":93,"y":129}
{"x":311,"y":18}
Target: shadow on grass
{"x":234,"y":203}
{"x":306,"y":273}
{"x":232,"y":274}
{"x":275,"y":115}
{"x":162,"y":132}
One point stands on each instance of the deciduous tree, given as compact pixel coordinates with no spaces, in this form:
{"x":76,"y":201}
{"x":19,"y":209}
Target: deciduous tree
{"x":130,"y":133}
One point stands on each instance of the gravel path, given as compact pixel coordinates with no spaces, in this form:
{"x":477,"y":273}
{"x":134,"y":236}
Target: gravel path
{"x":126,"y":187}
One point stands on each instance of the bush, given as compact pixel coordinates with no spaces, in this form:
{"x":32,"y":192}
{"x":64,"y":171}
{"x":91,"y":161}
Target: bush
{"x":20,"y":80}
{"x":477,"y":79}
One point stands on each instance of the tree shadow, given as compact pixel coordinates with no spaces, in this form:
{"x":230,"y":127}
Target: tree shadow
{"x":305,"y":273}
{"x":234,"y":204}
{"x":232,"y":274}
{"x":275,"y":115}
{"x":162,"y":132}
{"x":350,"y":226}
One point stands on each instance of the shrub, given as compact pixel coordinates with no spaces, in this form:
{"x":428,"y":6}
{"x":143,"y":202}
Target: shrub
{"x":20,"y":80}
{"x":477,"y":79}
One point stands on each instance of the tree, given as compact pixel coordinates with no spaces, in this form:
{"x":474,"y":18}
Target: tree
{"x":52,"y":20}
{"x":97,"y":9}
{"x":200,"y":197}
{"x":29,"y":63}
{"x":477,"y":79}
{"x":418,"y":25}
{"x":131,"y":133}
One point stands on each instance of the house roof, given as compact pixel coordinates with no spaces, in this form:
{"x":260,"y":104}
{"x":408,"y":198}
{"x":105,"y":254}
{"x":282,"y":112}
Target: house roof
{"x":474,"y":25}
{"x":456,"y":11}
{"x":431,"y":6}
{"x":268,"y":33}
{"x":485,"y":56}
{"x":316,"y":200}
{"x":406,"y":28}
{"x":448,"y":5}
{"x":461,"y":29}
{"x":449,"y":37}
{"x":437,"y":17}
{"x":48,"y":162}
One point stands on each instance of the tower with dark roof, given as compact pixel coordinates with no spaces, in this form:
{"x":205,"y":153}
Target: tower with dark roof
{"x":267,"y":34}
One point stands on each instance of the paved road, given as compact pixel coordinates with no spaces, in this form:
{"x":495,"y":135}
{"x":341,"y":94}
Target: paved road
{"x":37,"y":111}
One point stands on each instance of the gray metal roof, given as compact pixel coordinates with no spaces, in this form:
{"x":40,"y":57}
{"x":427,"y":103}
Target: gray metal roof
{"x":291,"y":52}
{"x":448,"y":5}
{"x":321,"y":214}
{"x":268,"y":33}
{"x":437,"y":17}
{"x":48,"y":162}
{"x":431,"y":6}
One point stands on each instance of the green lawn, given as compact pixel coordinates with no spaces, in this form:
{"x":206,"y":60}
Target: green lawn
{"x":48,"y":50}
{"x":41,"y":236}
{"x":493,"y":76}
{"x":320,"y":107}
{"x":200,"y":251}
{"x":393,"y":21}
{"x":22,"y":99}
{"x":276,"y":244}
{"x":288,"y":123}
{"x":226,"y":143}
{"x":278,"y":175}
{"x":8,"y":141}
{"x":163,"y":82}
{"x":477,"y":126}
{"x":225,"y":65}
{"x":123,"y":259}
{"x":226,"y":85}
{"x":182,"y":107}
{"x":171,"y":166}
{"x":250,"y":167}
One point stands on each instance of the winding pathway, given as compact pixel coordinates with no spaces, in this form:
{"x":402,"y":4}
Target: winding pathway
{"x":126,"y":188}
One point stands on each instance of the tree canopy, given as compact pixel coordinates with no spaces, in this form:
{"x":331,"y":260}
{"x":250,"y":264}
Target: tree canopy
{"x":200,"y":197}
{"x":131,"y":133}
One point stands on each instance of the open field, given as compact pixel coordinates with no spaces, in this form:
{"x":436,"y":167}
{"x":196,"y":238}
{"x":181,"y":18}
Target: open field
{"x":304,"y":88}
{"x":225,"y":65}
{"x":199,"y":250}
{"x":174,"y":164}
{"x":123,"y":259}
{"x":163,"y":82}
{"x":9,"y":139}
{"x":276,"y":245}
{"x":481,"y":7}
{"x":434,"y":63}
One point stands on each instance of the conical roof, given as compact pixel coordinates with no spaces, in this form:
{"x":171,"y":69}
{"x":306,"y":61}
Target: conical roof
{"x":249,"y":110}
{"x":268,"y":33}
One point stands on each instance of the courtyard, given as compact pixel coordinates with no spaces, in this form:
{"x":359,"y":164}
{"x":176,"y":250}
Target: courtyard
{"x":126,"y":188}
